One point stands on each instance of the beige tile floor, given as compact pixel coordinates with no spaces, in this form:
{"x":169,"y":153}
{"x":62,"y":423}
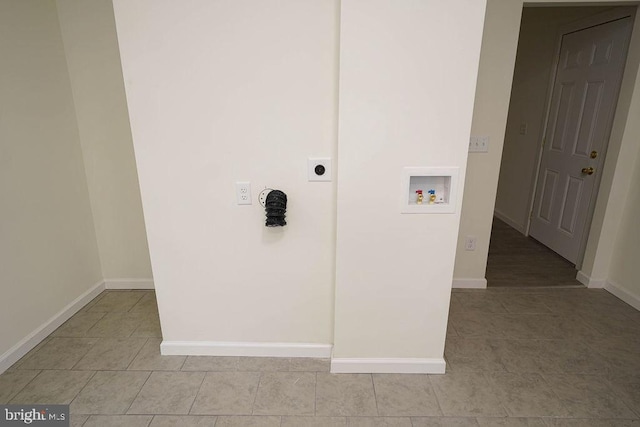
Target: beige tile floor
{"x":515,"y":357}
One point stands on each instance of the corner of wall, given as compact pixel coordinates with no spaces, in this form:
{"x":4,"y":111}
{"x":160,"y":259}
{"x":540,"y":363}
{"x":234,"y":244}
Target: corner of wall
{"x":388,"y":366}
{"x":29,"y":342}
{"x":621,"y":292}
{"x":129,"y":284}
{"x":588,"y":281}
{"x":459,"y":283}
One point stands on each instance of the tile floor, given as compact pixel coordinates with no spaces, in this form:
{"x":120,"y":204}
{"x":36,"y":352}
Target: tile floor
{"x":515,"y":357}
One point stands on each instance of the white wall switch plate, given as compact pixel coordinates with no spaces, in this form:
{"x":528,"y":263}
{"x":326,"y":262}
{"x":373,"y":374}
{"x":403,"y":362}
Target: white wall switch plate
{"x":479,"y":144}
{"x":319,"y":168}
{"x":243,"y":193}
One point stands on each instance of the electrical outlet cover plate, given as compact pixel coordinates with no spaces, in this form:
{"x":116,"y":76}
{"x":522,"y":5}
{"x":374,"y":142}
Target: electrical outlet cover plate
{"x":325,"y":162}
{"x":243,"y":193}
{"x":470,"y":243}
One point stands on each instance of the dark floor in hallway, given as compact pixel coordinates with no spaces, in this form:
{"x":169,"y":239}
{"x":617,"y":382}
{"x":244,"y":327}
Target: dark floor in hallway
{"x":516,"y":260}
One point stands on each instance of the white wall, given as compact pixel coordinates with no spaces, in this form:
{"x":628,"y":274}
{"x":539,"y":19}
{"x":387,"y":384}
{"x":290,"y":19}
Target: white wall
{"x":243,"y":90}
{"x":623,"y":273}
{"x":48,"y":250}
{"x":407,"y":81}
{"x":227,"y":91}
{"x":93,"y":59}
{"x":502,"y":20}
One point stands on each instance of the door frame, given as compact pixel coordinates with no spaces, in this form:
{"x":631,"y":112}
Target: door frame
{"x":619,"y":12}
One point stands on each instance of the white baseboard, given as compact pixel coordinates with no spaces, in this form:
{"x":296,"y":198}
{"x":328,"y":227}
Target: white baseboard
{"x":586,"y":280}
{"x":14,"y":354}
{"x":626,"y":296}
{"x":469,"y":283}
{"x":513,"y":224}
{"x":129,"y":284}
{"x":388,"y":366}
{"x":255,"y":349}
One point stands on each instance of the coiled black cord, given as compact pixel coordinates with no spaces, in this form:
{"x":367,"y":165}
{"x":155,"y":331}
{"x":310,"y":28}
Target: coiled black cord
{"x":276,"y":207}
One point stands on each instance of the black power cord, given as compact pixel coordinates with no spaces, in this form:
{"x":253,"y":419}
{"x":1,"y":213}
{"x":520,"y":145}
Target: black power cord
{"x":276,"y":207}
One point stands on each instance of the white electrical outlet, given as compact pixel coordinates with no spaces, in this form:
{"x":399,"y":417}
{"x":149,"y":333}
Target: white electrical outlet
{"x":470,"y":243}
{"x":479,"y":144}
{"x":243,"y":193}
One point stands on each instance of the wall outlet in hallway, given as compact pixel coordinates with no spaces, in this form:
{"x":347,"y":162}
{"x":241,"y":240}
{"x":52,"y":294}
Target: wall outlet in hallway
{"x":470,"y":243}
{"x":523,"y":128}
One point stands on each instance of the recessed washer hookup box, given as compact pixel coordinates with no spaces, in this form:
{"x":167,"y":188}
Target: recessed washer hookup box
{"x":428,"y":190}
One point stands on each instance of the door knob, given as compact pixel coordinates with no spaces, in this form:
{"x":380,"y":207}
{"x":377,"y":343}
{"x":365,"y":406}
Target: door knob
{"x":587,"y":171}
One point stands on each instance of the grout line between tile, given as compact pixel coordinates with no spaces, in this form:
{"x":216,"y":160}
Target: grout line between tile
{"x":93,"y":301}
{"x":136,"y":355}
{"x":375,"y":395}
{"x":31,"y":353}
{"x":136,"y":303}
{"x":138,"y":393}
{"x":83,"y":387}
{"x":433,"y":388}
{"x":253,"y":405}
{"x":183,"y":362}
{"x":85,"y":354}
{"x":24,"y":386}
{"x":197,"y":393}
{"x":315,"y":396}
